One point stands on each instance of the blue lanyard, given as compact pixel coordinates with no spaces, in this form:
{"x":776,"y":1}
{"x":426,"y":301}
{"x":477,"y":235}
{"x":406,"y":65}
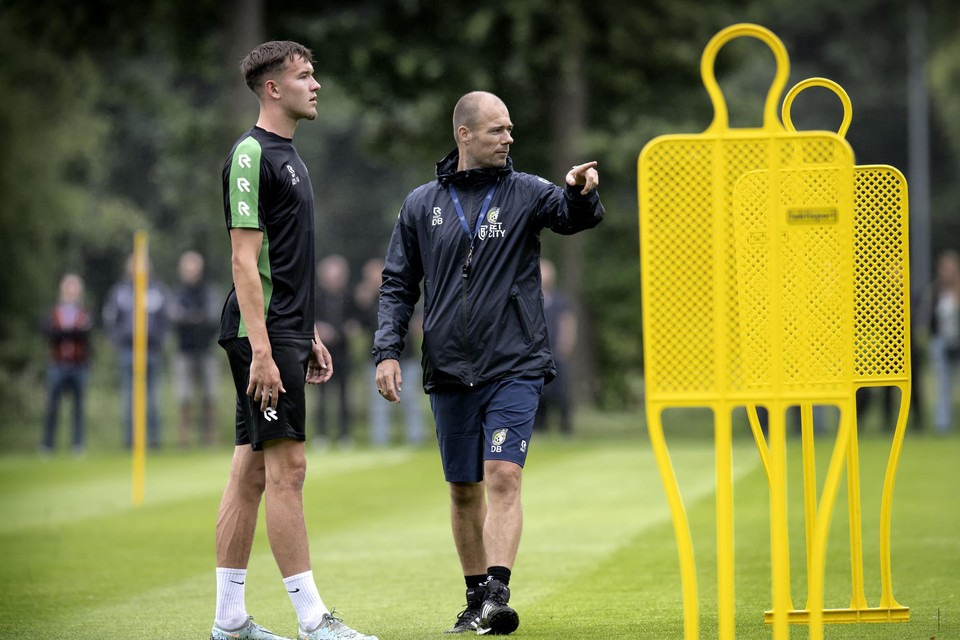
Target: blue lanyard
{"x":466,"y":227}
{"x":483,"y":211}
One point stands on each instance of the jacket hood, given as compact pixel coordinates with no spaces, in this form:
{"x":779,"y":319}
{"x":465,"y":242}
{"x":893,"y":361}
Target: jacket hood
{"x":447,"y":171}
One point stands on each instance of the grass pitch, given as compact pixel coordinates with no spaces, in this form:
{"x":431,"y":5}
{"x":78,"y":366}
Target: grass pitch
{"x":597,"y":559}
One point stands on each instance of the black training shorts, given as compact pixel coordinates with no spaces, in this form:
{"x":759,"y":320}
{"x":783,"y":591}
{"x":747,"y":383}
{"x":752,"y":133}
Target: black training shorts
{"x":254,"y":427}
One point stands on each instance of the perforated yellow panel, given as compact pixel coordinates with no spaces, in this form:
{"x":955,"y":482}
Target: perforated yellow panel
{"x":773,"y":271}
{"x":794,"y":231}
{"x":678,"y":269}
{"x":881,"y":266}
{"x":881,"y":260}
{"x":694,"y":194}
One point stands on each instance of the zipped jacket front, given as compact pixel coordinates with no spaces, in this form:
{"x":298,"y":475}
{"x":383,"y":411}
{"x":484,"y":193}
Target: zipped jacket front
{"x":483,"y":307}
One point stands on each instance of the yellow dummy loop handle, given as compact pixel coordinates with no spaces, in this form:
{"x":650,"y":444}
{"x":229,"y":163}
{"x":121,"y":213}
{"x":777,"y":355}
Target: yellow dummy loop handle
{"x":721,"y":120}
{"x":826,"y":84}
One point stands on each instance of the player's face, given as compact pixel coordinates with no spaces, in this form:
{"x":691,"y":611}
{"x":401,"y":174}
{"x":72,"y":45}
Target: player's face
{"x":488,"y":142}
{"x":299,"y":89}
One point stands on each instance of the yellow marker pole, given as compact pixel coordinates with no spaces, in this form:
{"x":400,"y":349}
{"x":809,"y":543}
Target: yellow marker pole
{"x":681,"y":525}
{"x":808,"y":453}
{"x":858,"y":597}
{"x":779,"y":543}
{"x":838,"y":460}
{"x":888,"y":603}
{"x":723,"y":445}
{"x":139,"y":363}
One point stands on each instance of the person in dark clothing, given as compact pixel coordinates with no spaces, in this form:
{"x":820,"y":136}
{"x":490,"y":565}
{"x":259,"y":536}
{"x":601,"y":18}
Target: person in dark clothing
{"x":562,"y":330}
{"x":472,"y":237}
{"x":267,"y":329}
{"x":118,"y":320}
{"x":367,"y":301}
{"x":195,"y":314}
{"x":335,"y":320}
{"x":67,"y":329}
{"x":940,"y":316}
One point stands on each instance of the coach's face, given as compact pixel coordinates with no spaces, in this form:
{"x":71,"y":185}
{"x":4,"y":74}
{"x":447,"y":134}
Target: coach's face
{"x":486,"y":144}
{"x":298,"y":89}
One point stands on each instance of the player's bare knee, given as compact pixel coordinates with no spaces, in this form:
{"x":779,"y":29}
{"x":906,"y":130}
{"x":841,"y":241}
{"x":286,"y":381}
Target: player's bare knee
{"x":288,"y":477}
{"x":247,"y":476}
{"x":253,"y":485}
{"x":464,"y":495}
{"x":286,"y":464}
{"x":502,"y":477}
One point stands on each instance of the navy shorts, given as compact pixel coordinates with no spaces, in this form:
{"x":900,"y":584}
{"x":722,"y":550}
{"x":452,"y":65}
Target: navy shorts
{"x":254,"y":427}
{"x":490,"y":422}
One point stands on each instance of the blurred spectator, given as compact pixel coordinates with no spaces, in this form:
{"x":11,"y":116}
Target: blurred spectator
{"x":118,"y":318}
{"x":866,"y":396}
{"x":562,"y":332}
{"x":941,"y":311}
{"x":67,"y":329}
{"x":367,"y":301}
{"x":335,"y":318}
{"x":195,"y":314}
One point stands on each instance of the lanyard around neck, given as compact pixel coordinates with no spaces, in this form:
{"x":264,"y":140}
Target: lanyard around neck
{"x":466,"y":227}
{"x":483,"y":211}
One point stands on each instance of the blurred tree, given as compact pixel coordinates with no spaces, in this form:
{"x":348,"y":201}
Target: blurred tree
{"x":580,"y":83}
{"x":600,"y":81}
{"x":111,"y":115}
{"x":52,"y":148}
{"x":944,"y":20}
{"x":118,"y":116}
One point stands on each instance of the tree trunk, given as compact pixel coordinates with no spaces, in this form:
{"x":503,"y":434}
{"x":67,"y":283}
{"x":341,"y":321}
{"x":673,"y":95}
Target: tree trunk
{"x":918,"y":134}
{"x":244,"y":31}
{"x":568,"y":122}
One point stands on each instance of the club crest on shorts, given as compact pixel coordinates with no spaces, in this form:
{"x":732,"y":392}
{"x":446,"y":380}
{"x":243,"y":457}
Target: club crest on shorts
{"x":499,"y":437}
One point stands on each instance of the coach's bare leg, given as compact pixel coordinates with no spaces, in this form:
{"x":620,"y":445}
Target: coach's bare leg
{"x":501,"y":532}
{"x":286,"y":467}
{"x":468,"y":511}
{"x":237,"y":517}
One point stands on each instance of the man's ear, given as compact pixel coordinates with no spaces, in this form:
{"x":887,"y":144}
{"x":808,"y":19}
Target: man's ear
{"x":463,"y":134}
{"x":271,"y":88}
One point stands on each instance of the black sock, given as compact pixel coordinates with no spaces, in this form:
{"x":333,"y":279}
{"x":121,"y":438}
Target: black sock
{"x":499,"y":573}
{"x":474,"y":581}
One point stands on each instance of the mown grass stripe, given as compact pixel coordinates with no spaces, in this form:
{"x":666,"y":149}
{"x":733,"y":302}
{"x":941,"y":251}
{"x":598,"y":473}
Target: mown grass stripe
{"x":598,"y":557}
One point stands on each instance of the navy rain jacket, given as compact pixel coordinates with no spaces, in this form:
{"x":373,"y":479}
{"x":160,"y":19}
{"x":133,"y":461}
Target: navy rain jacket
{"x":483,"y":321}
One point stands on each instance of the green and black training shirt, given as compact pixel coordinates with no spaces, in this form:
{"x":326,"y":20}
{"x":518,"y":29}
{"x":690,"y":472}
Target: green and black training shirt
{"x":266,"y":186}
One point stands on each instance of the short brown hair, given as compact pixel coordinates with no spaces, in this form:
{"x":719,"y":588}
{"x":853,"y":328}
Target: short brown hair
{"x":269,"y":58}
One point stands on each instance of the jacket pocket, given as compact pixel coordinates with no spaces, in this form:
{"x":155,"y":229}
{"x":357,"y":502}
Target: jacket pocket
{"x":517,"y":303}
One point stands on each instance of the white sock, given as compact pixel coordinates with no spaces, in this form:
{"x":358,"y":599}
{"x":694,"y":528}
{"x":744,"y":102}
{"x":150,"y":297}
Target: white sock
{"x":306,"y":600}
{"x":231,"y":610}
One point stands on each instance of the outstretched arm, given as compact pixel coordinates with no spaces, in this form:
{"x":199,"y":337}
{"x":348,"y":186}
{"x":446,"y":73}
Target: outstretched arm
{"x":584,"y":174}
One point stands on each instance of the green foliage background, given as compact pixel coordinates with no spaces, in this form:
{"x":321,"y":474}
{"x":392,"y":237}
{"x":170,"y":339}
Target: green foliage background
{"x":117,"y":117}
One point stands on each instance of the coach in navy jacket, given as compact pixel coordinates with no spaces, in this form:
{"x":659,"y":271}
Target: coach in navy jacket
{"x":483,"y":312}
{"x":472,"y":237}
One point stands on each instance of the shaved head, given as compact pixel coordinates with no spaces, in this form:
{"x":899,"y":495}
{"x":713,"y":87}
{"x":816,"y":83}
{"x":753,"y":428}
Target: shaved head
{"x":483,"y":131}
{"x":467,"y":111}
